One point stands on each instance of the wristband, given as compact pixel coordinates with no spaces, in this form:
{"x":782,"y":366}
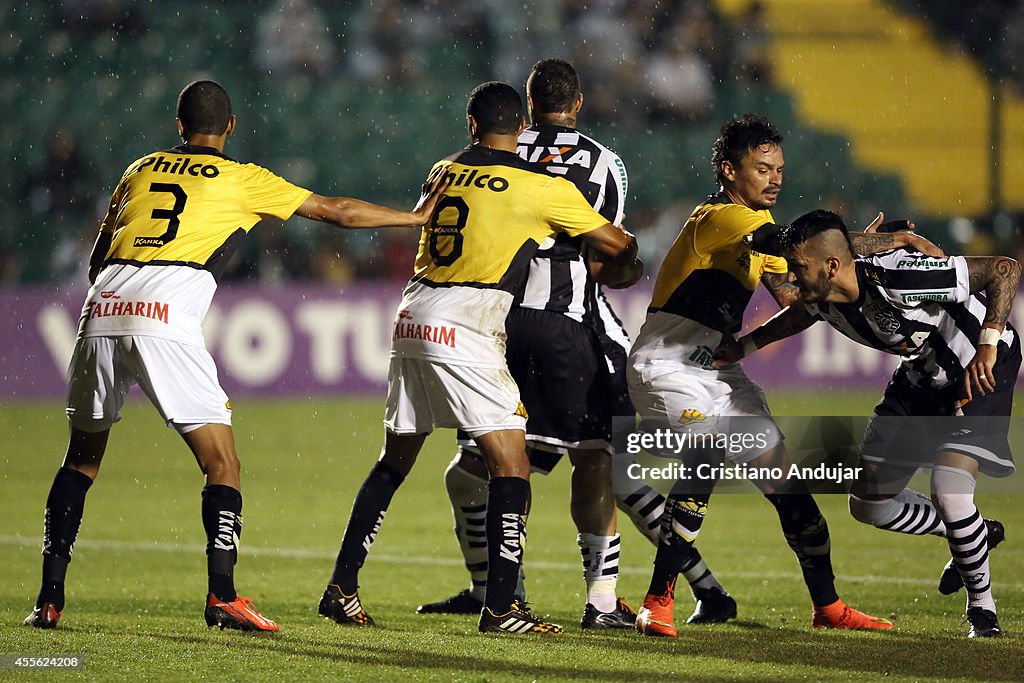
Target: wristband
{"x":748,"y":345}
{"x":989,"y":336}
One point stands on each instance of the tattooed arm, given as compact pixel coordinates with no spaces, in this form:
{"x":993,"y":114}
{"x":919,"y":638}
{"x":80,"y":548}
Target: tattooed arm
{"x":865,"y":243}
{"x":783,"y":291}
{"x":998,"y":277}
{"x":787,"y":322}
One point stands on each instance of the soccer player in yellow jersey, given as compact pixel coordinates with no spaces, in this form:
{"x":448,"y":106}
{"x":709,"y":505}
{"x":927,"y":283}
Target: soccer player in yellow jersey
{"x":701,"y":292}
{"x":173,"y":221}
{"x":448,"y":349}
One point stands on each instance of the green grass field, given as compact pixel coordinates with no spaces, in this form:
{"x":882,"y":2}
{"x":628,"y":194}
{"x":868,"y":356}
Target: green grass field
{"x":136,"y":587}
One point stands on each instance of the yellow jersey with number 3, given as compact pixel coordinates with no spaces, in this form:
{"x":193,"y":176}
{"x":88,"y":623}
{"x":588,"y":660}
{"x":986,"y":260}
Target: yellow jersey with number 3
{"x":176,"y":217}
{"x":475,"y":254}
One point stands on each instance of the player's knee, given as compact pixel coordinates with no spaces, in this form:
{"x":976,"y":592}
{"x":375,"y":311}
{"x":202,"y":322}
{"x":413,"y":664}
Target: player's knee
{"x":952,"y":491}
{"x":873,"y":512}
{"x":469,"y":459}
{"x":223,"y":461}
{"x":461,"y":483}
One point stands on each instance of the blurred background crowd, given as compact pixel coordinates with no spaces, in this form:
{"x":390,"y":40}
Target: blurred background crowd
{"x":360,"y":98}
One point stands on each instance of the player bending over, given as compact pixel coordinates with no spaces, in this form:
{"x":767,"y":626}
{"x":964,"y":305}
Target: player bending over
{"x":960,"y":361}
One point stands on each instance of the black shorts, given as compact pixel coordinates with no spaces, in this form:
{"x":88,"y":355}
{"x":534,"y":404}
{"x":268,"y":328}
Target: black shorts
{"x":912,"y":424}
{"x":570,"y":380}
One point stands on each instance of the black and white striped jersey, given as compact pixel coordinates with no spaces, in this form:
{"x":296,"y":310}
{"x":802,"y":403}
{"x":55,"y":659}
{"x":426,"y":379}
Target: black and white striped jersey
{"x":916,"y":306}
{"x":559,"y":280}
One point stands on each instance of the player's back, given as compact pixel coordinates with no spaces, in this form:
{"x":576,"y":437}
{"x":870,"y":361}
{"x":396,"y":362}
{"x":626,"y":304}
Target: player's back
{"x":475,"y":253}
{"x":918,"y":307}
{"x":176,"y":217}
{"x":559,"y":279}
{"x":493,"y":216}
{"x":183,"y":205}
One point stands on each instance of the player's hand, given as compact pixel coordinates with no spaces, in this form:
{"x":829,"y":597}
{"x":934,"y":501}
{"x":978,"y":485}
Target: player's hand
{"x":437,"y":182}
{"x":979,"y":372}
{"x":877,"y":225}
{"x":873,"y":226}
{"x":729,"y":351}
{"x":904,"y":235}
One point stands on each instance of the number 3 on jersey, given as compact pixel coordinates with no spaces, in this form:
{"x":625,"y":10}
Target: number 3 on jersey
{"x":449,"y":219}
{"x":170,"y":215}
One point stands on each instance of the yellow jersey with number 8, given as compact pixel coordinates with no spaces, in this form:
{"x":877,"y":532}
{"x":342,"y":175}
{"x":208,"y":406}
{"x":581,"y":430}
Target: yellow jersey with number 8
{"x":474,"y":255}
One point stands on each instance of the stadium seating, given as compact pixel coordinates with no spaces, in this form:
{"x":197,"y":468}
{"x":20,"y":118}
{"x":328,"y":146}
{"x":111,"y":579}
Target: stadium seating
{"x":909,"y":103}
{"x":376,"y":140}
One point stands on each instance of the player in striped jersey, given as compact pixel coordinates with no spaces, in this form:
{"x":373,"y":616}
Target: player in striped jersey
{"x":701,"y":292}
{"x":961,"y":359}
{"x":448,"y":365}
{"x":173,"y":221}
{"x":566,"y":351}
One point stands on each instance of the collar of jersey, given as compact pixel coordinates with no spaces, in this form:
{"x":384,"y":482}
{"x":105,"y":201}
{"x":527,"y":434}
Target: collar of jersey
{"x":200,"y":149}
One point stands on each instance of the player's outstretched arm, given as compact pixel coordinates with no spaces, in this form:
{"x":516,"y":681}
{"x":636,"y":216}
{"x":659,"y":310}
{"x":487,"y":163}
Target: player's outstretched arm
{"x":349,"y":213}
{"x":998,"y":277}
{"x":786,"y":323}
{"x":878,"y":237}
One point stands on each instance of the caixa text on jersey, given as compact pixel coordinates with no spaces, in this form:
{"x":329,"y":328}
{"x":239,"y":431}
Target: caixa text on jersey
{"x":180,"y":166}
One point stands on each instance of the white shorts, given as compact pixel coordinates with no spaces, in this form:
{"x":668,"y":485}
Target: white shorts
{"x":423,"y":395}
{"x":682,"y":396}
{"x":180,"y":380}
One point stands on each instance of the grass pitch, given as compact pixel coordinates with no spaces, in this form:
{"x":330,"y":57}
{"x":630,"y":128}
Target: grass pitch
{"x":137,"y":584}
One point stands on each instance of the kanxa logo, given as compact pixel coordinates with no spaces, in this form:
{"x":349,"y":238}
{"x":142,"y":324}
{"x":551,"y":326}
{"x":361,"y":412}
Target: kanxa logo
{"x":370,"y":537}
{"x":511,"y":547}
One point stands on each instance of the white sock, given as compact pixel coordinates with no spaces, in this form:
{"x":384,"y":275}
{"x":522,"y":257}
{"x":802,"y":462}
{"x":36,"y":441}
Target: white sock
{"x":600,"y":569}
{"x":909,"y":512}
{"x":953,"y":490}
{"x":468,"y":495}
{"x":644,"y":507}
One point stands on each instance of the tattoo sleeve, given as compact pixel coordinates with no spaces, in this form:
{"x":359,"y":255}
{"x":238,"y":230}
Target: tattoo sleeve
{"x":784,"y":292}
{"x":998,"y":277}
{"x":865,"y":243}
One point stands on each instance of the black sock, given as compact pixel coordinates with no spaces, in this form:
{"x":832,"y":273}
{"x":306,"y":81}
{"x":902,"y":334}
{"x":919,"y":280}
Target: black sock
{"x":807,"y":535}
{"x":64,"y":507}
{"x":222,"y":520}
{"x":368,"y":512}
{"x":680,"y":524}
{"x":507,"y":504}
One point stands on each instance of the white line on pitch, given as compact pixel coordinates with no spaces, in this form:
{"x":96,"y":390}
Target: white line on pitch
{"x":305,"y":554}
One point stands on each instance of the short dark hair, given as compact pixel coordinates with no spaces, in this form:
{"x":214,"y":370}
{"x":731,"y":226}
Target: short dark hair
{"x":204,"y":108}
{"x":553,"y":85}
{"x":497,"y":108}
{"x":738,"y":136}
{"x":810,"y":225}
